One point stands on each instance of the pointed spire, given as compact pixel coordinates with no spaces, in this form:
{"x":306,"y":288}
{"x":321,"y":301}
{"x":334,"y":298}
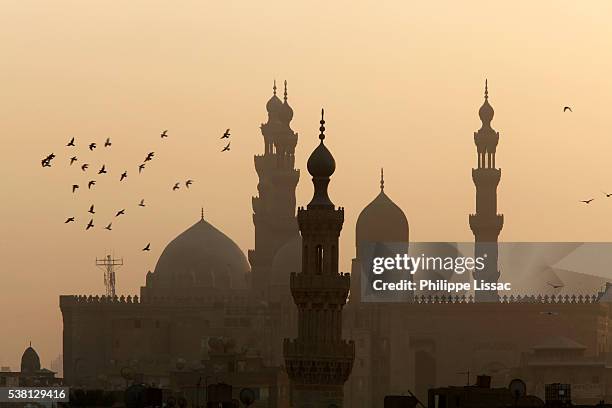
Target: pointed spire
{"x":322,"y":128}
{"x":285,"y":90}
{"x":30,"y":343}
{"x":202,"y":213}
{"x":382,"y":179}
{"x":274,"y":87}
{"x":486,"y":88}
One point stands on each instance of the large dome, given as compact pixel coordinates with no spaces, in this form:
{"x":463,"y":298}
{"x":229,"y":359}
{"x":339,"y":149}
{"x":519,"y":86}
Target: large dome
{"x":200,"y":258}
{"x":381,"y":221}
{"x":30,"y":362}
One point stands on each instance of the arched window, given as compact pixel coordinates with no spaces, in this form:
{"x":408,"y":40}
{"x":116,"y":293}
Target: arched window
{"x":319,"y":260}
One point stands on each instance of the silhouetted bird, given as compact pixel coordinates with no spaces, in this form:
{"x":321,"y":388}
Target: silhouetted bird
{"x":176,"y":186}
{"x":84,"y":166}
{"x":608,"y":195}
{"x":141,"y":168}
{"x":188,"y":183}
{"x":71,"y":142}
{"x":164,"y":134}
{"x":142,"y":203}
{"x":587,"y":201}
{"x":92,"y":146}
{"x":69,"y":219}
{"x":90,"y":224}
{"x":90,"y":184}
{"x":555,"y":286}
{"x":226,"y":135}
{"x":46,"y":162}
{"x":102,"y":170}
{"x":567,"y":108}
{"x":91,"y":209}
{"x":123,"y":176}
{"x":109,"y":226}
{"x":226,"y":148}
{"x":108,"y":142}
{"x":147,"y":248}
{"x":73,"y":159}
{"x":120,"y":212}
{"x":149,"y":156}
{"x":74,"y":187}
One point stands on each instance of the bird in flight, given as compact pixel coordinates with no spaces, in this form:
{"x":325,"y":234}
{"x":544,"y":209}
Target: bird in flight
{"x":226,"y":135}
{"x":141,"y":168}
{"x":92,"y":146}
{"x":90,"y":184}
{"x":188,"y":183}
{"x":147,"y":248}
{"x":108,"y":142}
{"x":74,"y":187}
{"x":46,"y":162}
{"x":567,"y":108}
{"x":73,"y":159}
{"x":84,"y":166}
{"x":587,"y":201}
{"x":608,"y":195}
{"x":102,"y":170}
{"x":123,"y":176}
{"x":142,"y":203}
{"x":89,"y":225}
{"x":555,"y":285}
{"x":91,"y":209}
{"x":164,"y":134}
{"x":120,"y":212}
{"x":109,"y":226}
{"x":149,"y":156}
{"x":69,"y":219}
{"x":226,"y":148}
{"x":71,"y":143}
{"x":176,"y":186}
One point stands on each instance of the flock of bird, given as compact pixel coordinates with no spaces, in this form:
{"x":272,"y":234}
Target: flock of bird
{"x":47,"y":162}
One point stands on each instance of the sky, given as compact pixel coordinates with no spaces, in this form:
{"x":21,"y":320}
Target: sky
{"x":401,"y":83}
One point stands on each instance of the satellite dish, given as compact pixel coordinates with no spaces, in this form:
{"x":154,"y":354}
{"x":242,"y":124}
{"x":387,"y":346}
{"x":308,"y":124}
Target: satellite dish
{"x":518,"y":388}
{"x":247,"y":396}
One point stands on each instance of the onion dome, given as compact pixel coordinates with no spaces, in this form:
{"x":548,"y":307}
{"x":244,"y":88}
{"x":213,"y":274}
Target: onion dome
{"x":274,"y":105}
{"x":381,"y":220}
{"x":199,"y":259}
{"x":30,"y":362}
{"x":286,"y":112}
{"x":321,"y":165}
{"x":486,"y":111}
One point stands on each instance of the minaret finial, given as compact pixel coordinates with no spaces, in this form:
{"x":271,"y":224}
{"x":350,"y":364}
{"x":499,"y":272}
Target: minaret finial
{"x":30,"y":343}
{"x":274,"y":87}
{"x":285,"y":90}
{"x":486,"y":88}
{"x":382,"y":179}
{"x":202,"y":213}
{"x":322,"y":122}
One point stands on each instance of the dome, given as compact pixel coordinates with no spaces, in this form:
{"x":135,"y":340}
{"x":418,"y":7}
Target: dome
{"x":30,"y":362}
{"x":288,"y":259}
{"x":286,"y":112}
{"x":486,"y":111}
{"x":381,"y":221}
{"x":199,"y":258}
{"x":321,"y":163}
{"x":274,"y":104}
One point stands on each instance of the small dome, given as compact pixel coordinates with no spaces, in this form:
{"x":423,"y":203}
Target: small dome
{"x":321,"y":163}
{"x":486,"y":112}
{"x":30,"y":362}
{"x":287,"y":259}
{"x":381,"y":221}
{"x":201,"y":257}
{"x":274,"y":105}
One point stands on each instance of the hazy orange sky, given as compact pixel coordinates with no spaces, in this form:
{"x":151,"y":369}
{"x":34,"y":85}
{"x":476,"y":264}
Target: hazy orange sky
{"x":401,"y":83}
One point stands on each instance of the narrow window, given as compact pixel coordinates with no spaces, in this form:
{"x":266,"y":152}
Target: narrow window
{"x":319,"y":260}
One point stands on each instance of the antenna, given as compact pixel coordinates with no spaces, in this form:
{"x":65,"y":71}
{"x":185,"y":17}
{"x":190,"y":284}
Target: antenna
{"x":108,"y":264}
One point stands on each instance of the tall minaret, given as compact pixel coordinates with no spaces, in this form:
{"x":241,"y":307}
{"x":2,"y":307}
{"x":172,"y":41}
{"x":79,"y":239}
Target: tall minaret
{"x":319,"y":361}
{"x":486,"y":224}
{"x":274,"y":207}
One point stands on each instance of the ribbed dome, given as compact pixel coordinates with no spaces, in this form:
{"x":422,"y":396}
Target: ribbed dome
{"x":381,"y":221}
{"x":30,"y":362}
{"x":201,"y":257}
{"x":321,"y":163}
{"x":287,"y":259}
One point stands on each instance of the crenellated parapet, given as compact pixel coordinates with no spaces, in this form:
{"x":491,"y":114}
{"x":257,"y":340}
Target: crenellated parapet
{"x":543,"y":299}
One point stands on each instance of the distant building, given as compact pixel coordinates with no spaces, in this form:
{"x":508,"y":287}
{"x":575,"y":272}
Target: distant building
{"x":31,"y":374}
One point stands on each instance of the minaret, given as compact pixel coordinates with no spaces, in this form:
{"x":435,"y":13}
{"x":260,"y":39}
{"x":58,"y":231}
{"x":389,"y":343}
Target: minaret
{"x":486,"y":224}
{"x":319,"y":361}
{"x":274,"y":206}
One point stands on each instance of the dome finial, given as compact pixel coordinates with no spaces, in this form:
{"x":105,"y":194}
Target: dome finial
{"x":322,"y":122}
{"x":285,"y":91}
{"x":382,"y":179}
{"x":274,"y":87}
{"x":202,"y":213}
{"x":486,"y":88}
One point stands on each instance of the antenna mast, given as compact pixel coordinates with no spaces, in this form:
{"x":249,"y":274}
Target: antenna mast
{"x":108,"y":264}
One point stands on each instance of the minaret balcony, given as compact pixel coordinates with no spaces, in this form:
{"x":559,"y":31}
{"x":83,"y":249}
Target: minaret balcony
{"x":316,"y":288}
{"x":487,"y":225}
{"x":485,"y":175}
